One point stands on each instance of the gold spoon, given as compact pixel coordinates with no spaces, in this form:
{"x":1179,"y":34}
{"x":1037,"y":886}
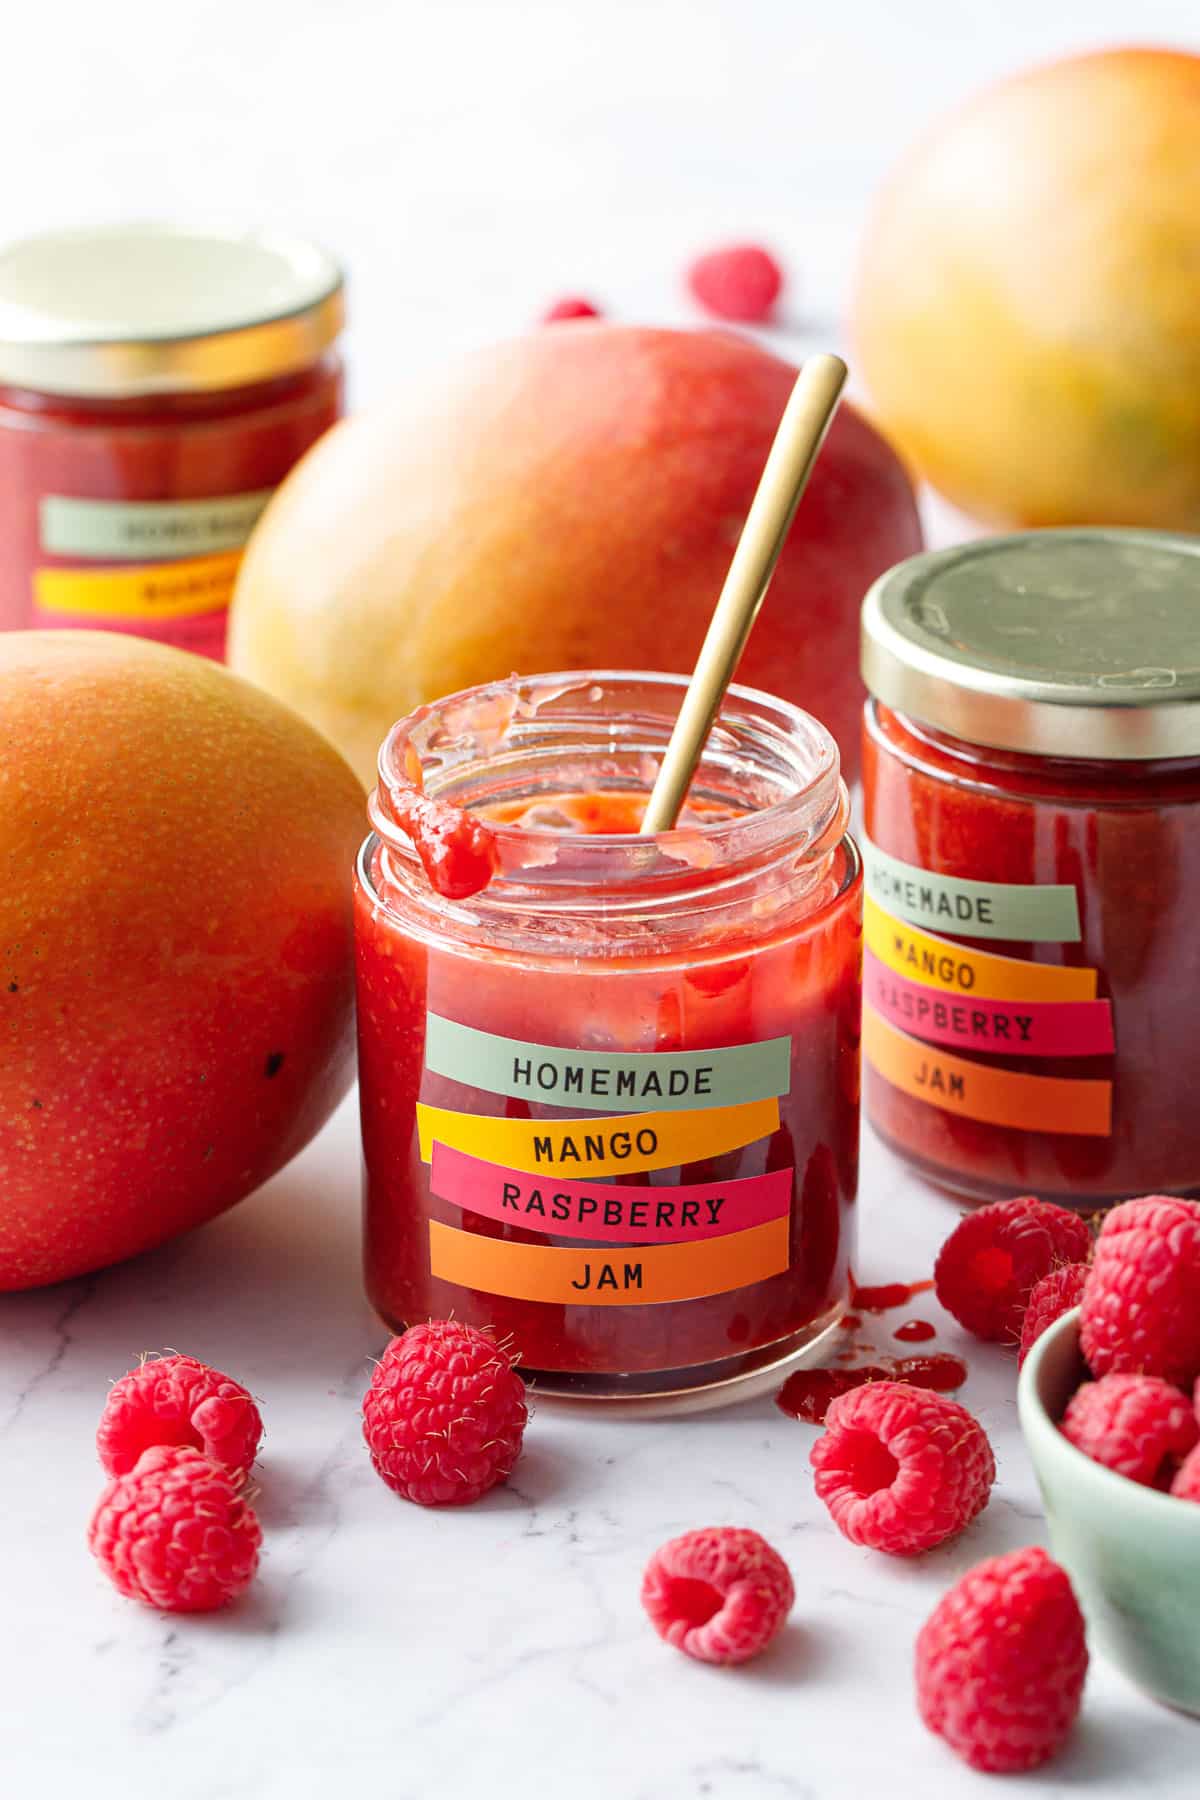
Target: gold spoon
{"x":807,"y":417}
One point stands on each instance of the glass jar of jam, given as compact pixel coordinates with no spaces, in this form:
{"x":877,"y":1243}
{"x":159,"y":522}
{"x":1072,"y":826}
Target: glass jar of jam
{"x":610,"y":1098}
{"x":1032,"y":857}
{"x":155,"y":385}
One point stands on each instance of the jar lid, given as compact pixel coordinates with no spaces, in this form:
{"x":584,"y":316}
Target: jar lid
{"x":1077,"y":643}
{"x":121,"y":310}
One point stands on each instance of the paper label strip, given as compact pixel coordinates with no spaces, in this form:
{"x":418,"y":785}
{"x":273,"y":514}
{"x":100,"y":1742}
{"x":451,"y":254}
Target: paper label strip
{"x":1005,"y":1027}
{"x":1029,"y":913}
{"x":618,"y":1214}
{"x":169,"y":590}
{"x":937,"y":962}
{"x":147,"y":530}
{"x":607,"y":1081}
{"x":641,"y":1275}
{"x":626,"y":1144}
{"x":978,"y":1091}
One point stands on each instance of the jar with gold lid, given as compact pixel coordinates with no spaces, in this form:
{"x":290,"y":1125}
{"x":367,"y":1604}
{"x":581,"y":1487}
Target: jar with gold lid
{"x":1032,"y":860}
{"x":156,"y":384}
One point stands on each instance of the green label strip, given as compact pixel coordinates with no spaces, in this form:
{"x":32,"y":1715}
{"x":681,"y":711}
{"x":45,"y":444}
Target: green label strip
{"x":600,"y":1081}
{"x":148,"y":530}
{"x":977,"y":909}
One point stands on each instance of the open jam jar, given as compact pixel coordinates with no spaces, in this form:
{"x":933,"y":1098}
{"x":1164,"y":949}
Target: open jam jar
{"x":156,"y":384}
{"x":610,"y":1101}
{"x":1032,"y":861}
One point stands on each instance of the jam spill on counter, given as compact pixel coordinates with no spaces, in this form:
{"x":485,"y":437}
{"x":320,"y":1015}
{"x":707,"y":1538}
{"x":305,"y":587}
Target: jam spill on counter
{"x":915,"y":1331}
{"x":809,"y":1393}
{"x":887,"y":1295}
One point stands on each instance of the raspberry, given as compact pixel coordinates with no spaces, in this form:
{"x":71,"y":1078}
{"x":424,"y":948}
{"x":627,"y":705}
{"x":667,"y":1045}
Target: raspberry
{"x":992,"y":1259}
{"x":571,"y":306}
{"x":1138,"y":1425}
{"x":740,"y":282}
{"x":444,"y":1415}
{"x":1001,"y":1662}
{"x":901,"y":1469}
{"x":176,"y":1532}
{"x":719,"y":1595}
{"x":1186,"y":1485}
{"x":1140,"y":1310}
{"x":1052,"y":1296}
{"x":177,"y":1400}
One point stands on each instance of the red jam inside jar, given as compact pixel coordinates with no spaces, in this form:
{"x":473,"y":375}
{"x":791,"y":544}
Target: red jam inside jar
{"x":610,"y":1098}
{"x":155,"y":386}
{"x":1032,"y":808}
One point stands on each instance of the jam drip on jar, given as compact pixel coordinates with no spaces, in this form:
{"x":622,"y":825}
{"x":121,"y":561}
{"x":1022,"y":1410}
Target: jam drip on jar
{"x":457,"y":851}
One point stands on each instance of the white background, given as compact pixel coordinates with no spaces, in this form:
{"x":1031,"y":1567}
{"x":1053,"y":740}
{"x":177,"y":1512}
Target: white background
{"x":472,"y":158}
{"x":470,"y":162}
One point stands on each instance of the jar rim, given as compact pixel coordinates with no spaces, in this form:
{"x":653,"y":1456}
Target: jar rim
{"x":1078,"y":642}
{"x":445,"y":745}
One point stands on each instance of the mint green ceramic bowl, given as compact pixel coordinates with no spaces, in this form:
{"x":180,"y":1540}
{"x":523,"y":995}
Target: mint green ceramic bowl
{"x":1132,"y":1553}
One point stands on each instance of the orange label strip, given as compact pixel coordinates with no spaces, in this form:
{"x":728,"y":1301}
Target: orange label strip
{"x":940,"y":963}
{"x":976,"y":1091}
{"x":636,"y":1275}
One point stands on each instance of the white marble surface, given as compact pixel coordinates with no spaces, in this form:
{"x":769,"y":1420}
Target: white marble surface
{"x":470,"y":159}
{"x":492,"y":1651}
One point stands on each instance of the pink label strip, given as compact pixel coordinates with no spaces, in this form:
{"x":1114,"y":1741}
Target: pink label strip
{"x":617,"y":1213}
{"x":1004,"y":1027}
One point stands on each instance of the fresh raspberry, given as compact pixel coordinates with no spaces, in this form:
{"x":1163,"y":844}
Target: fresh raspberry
{"x":1137,"y":1425}
{"x":992,"y":1259}
{"x":176,"y":1532}
{"x":177,"y":1400}
{"x":1001,"y":1662}
{"x":1186,"y":1485}
{"x":1140,"y":1310}
{"x":901,"y":1469}
{"x":1051,"y":1297}
{"x":571,"y":306}
{"x":444,"y":1415}
{"x":740,"y":282}
{"x":719,"y":1595}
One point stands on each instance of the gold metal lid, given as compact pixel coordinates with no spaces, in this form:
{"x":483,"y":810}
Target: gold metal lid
{"x":1080,"y":642}
{"x":121,"y":310}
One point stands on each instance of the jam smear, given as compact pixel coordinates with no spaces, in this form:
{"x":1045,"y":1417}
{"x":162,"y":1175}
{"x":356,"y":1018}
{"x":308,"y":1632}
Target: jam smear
{"x":849,"y":1322}
{"x":457,"y":851}
{"x":887,"y":1295}
{"x":915,"y":1331}
{"x":809,"y":1393}
{"x":942,"y":1372}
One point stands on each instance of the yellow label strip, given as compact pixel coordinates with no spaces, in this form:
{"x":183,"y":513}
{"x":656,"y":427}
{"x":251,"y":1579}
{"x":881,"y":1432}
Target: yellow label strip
{"x":625,"y":1144}
{"x":937,"y":962}
{"x":167,"y":590}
